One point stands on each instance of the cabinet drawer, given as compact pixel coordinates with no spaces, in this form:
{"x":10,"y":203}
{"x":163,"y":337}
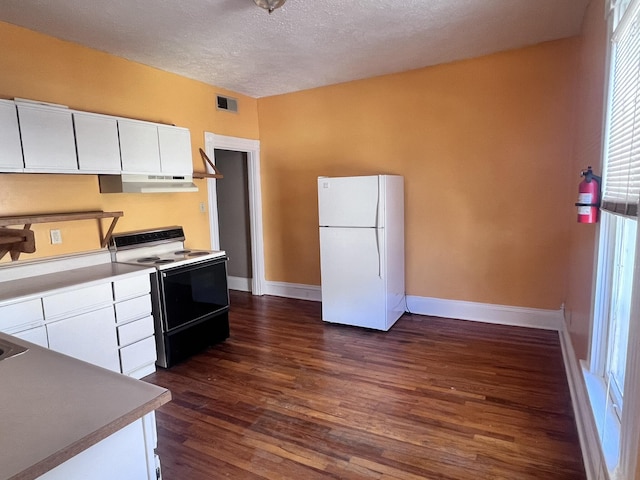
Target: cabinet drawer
{"x":134,"y":331}
{"x":131,"y":287}
{"x":76,"y":301}
{"x":135,"y":308}
{"x":138,"y":354}
{"x":36,"y":335}
{"x":22,"y":313}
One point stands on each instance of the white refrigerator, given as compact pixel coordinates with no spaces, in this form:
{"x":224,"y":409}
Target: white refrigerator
{"x":362,"y":249}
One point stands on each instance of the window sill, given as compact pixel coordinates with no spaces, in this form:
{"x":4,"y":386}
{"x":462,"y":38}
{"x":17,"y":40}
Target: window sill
{"x":607,"y":422}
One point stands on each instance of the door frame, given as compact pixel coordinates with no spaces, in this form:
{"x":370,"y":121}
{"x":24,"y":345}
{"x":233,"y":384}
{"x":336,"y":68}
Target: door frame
{"x":213,"y":141}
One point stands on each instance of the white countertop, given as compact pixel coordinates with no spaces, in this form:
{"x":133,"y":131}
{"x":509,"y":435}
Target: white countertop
{"x":35,"y":286}
{"x":53,"y":406}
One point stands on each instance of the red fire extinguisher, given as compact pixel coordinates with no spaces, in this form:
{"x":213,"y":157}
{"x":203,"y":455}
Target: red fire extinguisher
{"x":588,"y":197}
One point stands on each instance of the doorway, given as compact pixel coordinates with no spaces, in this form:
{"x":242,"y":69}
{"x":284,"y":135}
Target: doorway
{"x":247,"y":152}
{"x":232,"y":195}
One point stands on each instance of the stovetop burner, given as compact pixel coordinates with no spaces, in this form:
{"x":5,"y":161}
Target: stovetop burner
{"x":196,"y":254}
{"x":163,"y":261}
{"x":182,"y":252}
{"x":147,"y":259}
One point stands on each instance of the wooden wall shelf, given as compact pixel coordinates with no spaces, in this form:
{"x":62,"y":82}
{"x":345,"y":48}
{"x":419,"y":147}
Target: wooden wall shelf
{"x":207,"y":161}
{"x":16,"y":241}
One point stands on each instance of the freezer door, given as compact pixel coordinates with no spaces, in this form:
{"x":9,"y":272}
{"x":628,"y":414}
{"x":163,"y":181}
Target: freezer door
{"x":353,"y":285}
{"x":349,"y":201}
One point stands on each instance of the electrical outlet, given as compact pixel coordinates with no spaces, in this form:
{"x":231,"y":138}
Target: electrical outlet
{"x":56,"y":237}
{"x":203,"y":209}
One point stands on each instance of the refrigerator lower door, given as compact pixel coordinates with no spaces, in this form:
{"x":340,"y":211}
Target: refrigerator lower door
{"x":353,"y":283}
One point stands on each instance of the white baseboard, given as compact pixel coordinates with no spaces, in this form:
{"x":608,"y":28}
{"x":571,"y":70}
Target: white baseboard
{"x":488,"y":313}
{"x":481,"y":312}
{"x":293,"y":290}
{"x":239,"y":283}
{"x":591,"y":453}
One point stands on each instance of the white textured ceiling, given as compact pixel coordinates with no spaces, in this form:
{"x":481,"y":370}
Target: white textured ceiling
{"x":307,"y":43}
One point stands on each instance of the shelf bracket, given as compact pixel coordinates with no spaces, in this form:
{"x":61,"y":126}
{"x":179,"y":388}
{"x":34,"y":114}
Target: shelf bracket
{"x":207,"y":161}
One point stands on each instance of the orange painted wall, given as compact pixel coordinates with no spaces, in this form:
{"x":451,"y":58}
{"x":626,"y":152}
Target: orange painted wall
{"x":485,"y":148}
{"x":587,"y":148}
{"x":40,"y":67}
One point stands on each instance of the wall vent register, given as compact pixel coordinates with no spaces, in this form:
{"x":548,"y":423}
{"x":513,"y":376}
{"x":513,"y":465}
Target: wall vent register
{"x":228,"y":104}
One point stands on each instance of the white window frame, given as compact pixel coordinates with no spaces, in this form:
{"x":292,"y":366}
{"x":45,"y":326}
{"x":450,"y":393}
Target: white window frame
{"x":630,"y":423}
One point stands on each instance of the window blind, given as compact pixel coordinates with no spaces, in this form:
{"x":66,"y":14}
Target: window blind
{"x":621,"y":191}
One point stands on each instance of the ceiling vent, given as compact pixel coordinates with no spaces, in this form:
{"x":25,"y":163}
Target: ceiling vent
{"x":227,"y":103}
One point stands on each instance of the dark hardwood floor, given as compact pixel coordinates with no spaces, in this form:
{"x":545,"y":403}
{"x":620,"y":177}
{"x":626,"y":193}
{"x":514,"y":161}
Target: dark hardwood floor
{"x":290,"y":397}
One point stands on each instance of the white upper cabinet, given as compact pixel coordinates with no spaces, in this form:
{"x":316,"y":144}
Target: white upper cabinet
{"x":139,"y":148}
{"x":48,"y":142}
{"x":10,"y":147}
{"x":97,"y":143}
{"x":175,"y":150}
{"x":46,"y":138}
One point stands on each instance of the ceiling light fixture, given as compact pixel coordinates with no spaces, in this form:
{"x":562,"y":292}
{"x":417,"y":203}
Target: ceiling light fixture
{"x":270,"y":5}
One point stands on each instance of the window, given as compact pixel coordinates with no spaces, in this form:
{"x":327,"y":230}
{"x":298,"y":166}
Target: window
{"x":618,"y":285}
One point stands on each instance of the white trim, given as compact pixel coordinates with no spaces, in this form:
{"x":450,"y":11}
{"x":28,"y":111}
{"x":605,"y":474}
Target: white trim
{"x":587,"y":432}
{"x":293,"y":290}
{"x":239,"y":283}
{"x":630,"y":424}
{"x":484,"y":312}
{"x":605,"y":253}
{"x":252,"y":149}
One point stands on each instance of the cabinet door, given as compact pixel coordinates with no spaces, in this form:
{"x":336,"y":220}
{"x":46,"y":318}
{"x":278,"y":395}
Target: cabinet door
{"x":10,"y":147}
{"x":175,"y":150}
{"x":139,"y":147}
{"x":97,"y":143}
{"x":47,"y":139}
{"x":90,"y":337}
{"x":123,"y":456}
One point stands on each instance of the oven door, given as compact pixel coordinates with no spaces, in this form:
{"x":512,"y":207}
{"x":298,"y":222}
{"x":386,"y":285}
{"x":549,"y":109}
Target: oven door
{"x":194,"y":292}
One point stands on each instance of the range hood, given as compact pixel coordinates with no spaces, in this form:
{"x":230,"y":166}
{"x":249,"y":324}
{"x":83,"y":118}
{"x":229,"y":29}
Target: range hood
{"x":146,"y":183}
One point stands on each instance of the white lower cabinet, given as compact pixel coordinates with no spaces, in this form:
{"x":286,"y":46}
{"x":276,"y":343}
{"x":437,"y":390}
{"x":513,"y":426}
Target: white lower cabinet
{"x":90,"y":337}
{"x":122,"y":456}
{"x":135,"y":326}
{"x":108,"y":324}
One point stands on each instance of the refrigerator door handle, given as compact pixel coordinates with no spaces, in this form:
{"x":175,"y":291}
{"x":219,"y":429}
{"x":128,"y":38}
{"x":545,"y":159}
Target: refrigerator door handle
{"x":378,"y":242}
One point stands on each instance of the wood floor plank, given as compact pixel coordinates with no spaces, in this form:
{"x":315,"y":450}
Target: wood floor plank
{"x":288,"y":396}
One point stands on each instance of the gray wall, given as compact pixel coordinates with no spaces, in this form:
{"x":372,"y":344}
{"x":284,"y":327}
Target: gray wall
{"x":233,"y":211}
